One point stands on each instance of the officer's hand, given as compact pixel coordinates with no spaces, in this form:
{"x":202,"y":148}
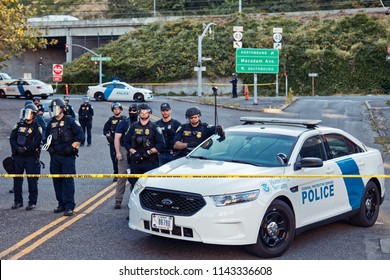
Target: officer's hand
{"x":21,"y":150}
{"x":136,"y":156}
{"x":220,"y":131}
{"x":192,"y":145}
{"x":69,"y":150}
{"x":145,"y":156}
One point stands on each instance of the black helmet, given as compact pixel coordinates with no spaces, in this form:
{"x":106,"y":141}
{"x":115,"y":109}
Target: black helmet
{"x":192,"y":111}
{"x":37,"y":98}
{"x":29,"y":112}
{"x":116,"y":105}
{"x":57,"y":102}
{"x":144,"y":106}
{"x":66,"y":98}
{"x":28,"y":102}
{"x":133,"y":107}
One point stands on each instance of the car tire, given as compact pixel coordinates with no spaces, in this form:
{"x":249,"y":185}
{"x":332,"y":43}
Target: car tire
{"x":139,"y":97}
{"x":28,"y":95}
{"x":2,"y":94}
{"x":369,"y":207}
{"x":276,"y":233}
{"x":99,"y":96}
{"x":45,"y":97}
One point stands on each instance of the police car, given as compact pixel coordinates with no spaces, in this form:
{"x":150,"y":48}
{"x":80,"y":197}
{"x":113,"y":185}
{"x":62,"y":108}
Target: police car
{"x":27,"y":88}
{"x":118,"y":91}
{"x":260,"y":185}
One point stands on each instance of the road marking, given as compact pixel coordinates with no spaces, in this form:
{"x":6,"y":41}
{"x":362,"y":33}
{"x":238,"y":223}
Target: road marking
{"x":52,"y":233}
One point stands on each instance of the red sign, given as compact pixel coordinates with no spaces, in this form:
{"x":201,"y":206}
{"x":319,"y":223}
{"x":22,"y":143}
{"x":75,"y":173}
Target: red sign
{"x":58,"y":69}
{"x":57,"y":78}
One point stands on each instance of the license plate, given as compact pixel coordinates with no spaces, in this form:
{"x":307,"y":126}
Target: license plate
{"x":162,"y":222}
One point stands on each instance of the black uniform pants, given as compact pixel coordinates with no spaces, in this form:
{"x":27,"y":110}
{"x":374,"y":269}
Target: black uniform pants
{"x":86,"y":125}
{"x":113,"y":158}
{"x":31,"y":165}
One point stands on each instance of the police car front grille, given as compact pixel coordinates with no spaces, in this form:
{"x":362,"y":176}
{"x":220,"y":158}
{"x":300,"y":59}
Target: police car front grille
{"x":171,"y":202}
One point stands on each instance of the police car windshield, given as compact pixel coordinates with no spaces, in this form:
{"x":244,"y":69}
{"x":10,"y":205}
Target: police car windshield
{"x":258,"y":149}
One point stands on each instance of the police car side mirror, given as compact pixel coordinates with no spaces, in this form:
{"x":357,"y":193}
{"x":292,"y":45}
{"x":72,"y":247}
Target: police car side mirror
{"x":308,"y":162}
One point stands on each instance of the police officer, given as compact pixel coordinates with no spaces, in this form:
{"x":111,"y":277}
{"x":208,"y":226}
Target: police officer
{"x":144,"y":140}
{"x":234,"y":85}
{"x":121,"y":152}
{"x":109,"y":129}
{"x":37,"y":102}
{"x":191,"y":134}
{"x":168,"y":126}
{"x":42,"y":123}
{"x":66,"y":135}
{"x":25,"y":142}
{"x":68,"y":108}
{"x":85,"y":119}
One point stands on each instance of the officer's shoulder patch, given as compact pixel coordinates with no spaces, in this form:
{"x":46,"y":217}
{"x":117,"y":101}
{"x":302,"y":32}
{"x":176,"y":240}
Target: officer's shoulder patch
{"x":159,"y":130}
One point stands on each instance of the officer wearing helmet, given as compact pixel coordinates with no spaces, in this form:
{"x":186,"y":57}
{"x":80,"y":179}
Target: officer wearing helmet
{"x":109,"y":129}
{"x":37,"y":102}
{"x":121,"y":152}
{"x":191,"y":134}
{"x":85,"y":119}
{"x":64,"y":135}
{"x":25,"y":142}
{"x":144,"y":140}
{"x":68,"y":110}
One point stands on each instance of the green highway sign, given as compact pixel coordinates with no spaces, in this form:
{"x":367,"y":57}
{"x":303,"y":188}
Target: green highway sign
{"x":264,"y":61}
{"x":96,"y":58}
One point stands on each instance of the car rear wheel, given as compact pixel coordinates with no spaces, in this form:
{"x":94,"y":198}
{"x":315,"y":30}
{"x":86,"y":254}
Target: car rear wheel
{"x":45,"y":97}
{"x":99,"y":96}
{"x":369,"y":207}
{"x":276,"y":233}
{"x":139,"y":97}
{"x":28,"y":95}
{"x":2,"y":94}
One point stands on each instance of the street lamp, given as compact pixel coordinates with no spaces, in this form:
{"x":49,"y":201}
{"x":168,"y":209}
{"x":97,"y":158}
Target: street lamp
{"x":200,"y":38}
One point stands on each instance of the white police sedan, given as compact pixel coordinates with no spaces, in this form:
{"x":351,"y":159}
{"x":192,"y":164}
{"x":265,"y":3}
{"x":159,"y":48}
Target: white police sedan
{"x":268,"y":180}
{"x":118,"y":91}
{"x":27,"y":88}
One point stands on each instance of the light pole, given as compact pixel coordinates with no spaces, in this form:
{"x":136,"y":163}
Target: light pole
{"x":99,"y":57}
{"x":200,"y":38}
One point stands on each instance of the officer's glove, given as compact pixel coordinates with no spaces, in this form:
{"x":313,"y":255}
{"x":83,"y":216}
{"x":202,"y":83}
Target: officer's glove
{"x":220,"y":132}
{"x":70,"y":151}
{"x":110,"y":139}
{"x":22,"y":150}
{"x":136,"y":156}
{"x":145,"y":156}
{"x":192,"y":145}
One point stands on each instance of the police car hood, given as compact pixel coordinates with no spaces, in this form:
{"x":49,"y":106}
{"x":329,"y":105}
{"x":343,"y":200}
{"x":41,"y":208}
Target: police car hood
{"x":190,"y":175}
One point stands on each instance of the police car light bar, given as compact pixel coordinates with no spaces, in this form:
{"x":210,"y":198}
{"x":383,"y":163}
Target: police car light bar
{"x":308,"y":123}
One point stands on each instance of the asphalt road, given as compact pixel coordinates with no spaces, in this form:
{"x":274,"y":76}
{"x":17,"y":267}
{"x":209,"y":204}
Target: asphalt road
{"x":99,"y":232}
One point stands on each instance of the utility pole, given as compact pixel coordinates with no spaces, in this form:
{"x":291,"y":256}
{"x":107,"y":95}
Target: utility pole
{"x":98,"y":55}
{"x":200,"y":38}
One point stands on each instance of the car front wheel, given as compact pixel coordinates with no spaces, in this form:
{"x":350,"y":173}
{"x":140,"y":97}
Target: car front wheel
{"x":29,"y":96}
{"x":276,"y":233}
{"x":2,"y":94}
{"x":369,"y":207}
{"x":139,"y":97}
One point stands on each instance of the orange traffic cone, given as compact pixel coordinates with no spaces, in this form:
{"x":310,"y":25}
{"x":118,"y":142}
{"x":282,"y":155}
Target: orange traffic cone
{"x":246,"y":92}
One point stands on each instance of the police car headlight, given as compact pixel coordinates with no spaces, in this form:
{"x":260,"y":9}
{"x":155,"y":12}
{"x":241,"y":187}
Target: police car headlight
{"x":138,"y":187}
{"x":235,"y":198}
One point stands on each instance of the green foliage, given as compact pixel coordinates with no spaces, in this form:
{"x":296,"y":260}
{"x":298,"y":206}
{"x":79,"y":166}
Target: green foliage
{"x":348,"y":53}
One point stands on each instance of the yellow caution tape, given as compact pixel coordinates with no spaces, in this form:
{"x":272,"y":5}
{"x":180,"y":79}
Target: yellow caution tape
{"x":187,"y":176}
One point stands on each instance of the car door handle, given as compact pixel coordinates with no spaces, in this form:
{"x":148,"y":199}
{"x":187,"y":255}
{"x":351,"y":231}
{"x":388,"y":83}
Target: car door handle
{"x":329,"y":170}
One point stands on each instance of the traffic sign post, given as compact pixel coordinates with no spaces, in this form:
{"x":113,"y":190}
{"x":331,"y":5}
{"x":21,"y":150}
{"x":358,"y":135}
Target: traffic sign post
{"x":312,"y":75}
{"x":104,"y":58}
{"x":265,"y":61}
{"x":58,"y":70}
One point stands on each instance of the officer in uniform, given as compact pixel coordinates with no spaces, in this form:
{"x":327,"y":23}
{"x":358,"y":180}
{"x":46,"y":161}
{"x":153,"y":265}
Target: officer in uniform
{"x":234,"y":85}
{"x":144,"y":140}
{"x":85,"y":119}
{"x":68,"y":108}
{"x":121,"y":152}
{"x":168,"y":126}
{"x":109,"y":129}
{"x":66,"y":135}
{"x":25,"y":143}
{"x":37,"y":102}
{"x":191,"y":134}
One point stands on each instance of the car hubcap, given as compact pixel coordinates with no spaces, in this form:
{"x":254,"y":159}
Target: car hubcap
{"x":274,"y":229}
{"x":370,"y":204}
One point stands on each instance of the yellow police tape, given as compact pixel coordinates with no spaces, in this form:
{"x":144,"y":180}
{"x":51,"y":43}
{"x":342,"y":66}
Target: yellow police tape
{"x":187,"y":176}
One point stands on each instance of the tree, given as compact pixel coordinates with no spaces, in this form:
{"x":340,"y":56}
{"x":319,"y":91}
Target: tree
{"x":16,"y":36}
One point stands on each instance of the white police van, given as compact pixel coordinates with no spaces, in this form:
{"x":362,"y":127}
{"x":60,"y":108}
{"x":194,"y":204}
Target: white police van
{"x":268,"y":180}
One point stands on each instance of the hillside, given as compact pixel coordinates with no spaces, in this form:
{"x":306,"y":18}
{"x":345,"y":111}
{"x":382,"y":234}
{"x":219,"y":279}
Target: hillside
{"x":347,"y":51}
